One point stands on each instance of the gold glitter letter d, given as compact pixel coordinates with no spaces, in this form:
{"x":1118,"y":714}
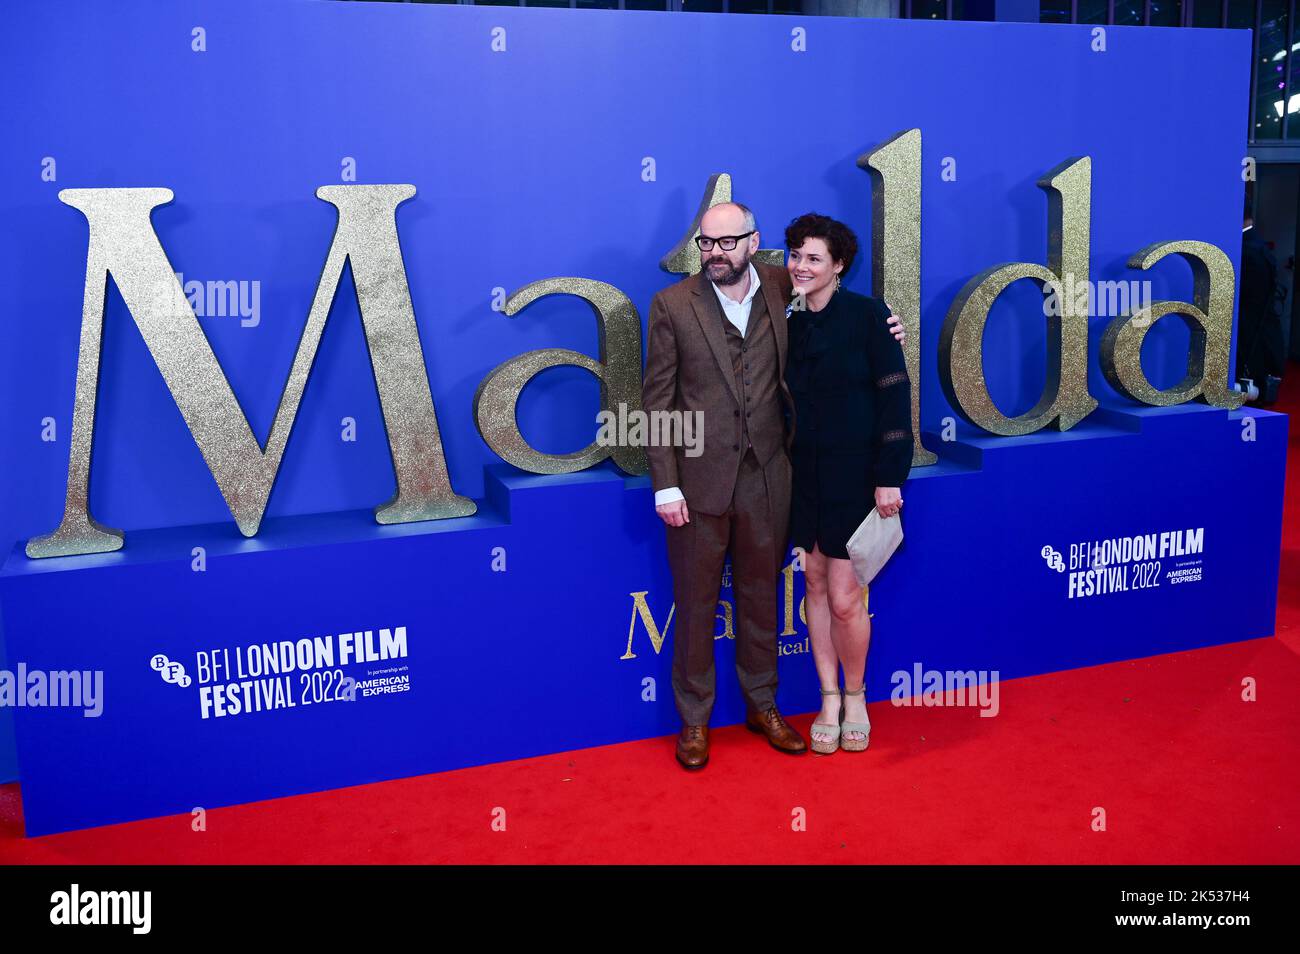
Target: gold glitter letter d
{"x":1065,"y":400}
{"x":895,"y":170}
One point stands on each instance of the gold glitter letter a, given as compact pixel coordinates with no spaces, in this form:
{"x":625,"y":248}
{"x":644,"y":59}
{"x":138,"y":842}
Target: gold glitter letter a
{"x":1209,"y":323}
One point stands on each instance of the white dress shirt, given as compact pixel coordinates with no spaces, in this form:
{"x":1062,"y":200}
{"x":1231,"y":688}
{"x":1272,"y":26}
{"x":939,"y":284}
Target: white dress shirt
{"x":737,"y":313}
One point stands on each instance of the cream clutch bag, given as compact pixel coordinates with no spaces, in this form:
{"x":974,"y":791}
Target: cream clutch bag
{"x":873,"y":543}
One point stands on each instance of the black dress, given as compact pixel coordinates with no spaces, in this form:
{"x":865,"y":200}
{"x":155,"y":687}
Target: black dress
{"x":852,"y":421}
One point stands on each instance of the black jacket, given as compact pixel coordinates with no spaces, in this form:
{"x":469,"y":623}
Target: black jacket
{"x":851,"y":391}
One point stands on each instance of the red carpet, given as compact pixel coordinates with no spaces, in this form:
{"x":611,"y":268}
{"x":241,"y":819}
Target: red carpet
{"x":1186,"y":772}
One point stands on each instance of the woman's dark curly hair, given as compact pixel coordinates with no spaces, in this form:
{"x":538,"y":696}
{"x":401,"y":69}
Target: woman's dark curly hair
{"x":839,"y":238}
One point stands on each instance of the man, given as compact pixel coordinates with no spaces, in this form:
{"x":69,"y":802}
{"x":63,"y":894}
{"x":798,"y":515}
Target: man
{"x":717,"y":345}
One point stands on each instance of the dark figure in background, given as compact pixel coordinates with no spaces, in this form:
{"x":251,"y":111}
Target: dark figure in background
{"x":1260,"y":352}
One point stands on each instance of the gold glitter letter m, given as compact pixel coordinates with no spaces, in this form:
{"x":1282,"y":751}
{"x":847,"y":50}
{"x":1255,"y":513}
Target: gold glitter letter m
{"x":123,"y":244}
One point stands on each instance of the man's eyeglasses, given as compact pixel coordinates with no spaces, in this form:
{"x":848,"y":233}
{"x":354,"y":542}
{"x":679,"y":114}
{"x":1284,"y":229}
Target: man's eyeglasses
{"x":724,"y":242}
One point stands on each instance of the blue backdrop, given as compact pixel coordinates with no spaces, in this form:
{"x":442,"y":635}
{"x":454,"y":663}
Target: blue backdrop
{"x":529,"y":164}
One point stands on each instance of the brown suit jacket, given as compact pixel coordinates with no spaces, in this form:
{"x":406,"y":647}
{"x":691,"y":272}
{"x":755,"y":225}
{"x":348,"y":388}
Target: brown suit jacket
{"x":689,"y":368}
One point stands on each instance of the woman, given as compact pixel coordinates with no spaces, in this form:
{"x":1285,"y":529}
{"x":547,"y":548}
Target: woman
{"x":852,"y":450}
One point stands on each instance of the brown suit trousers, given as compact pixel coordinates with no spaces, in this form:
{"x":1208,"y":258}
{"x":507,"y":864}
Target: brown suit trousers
{"x":737,"y":490}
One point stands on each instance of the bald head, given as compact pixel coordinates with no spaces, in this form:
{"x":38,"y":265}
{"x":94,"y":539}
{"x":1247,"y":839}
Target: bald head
{"x":727,"y":218}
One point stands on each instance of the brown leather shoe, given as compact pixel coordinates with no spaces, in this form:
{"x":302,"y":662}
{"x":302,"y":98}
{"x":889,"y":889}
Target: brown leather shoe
{"x":779,"y":734}
{"x":693,"y":746}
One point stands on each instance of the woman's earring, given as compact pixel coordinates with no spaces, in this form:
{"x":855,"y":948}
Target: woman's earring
{"x":837,"y":283}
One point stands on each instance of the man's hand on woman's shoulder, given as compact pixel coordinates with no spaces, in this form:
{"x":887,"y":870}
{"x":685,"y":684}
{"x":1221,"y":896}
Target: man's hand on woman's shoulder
{"x":897,"y":329}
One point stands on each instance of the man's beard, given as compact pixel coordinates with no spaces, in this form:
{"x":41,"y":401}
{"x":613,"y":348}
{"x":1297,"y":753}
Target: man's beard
{"x":733,"y":274}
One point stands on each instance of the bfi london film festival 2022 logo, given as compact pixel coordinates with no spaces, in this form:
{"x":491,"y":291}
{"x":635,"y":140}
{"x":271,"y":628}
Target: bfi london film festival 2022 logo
{"x":288,"y":674}
{"x":1125,"y":564}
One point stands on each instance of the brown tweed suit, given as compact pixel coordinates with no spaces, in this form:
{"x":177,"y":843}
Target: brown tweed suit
{"x":737,"y":490}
